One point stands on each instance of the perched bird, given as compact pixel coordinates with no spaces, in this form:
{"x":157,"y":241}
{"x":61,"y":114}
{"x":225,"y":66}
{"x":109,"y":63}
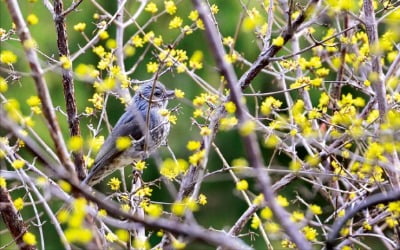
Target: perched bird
{"x":143,"y":124}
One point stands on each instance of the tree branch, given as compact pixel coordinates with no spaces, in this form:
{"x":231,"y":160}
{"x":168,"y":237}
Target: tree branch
{"x":250,"y":140}
{"x":68,"y":83}
{"x":41,"y":86}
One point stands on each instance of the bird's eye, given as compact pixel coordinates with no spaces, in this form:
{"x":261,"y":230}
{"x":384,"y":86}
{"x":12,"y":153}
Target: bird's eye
{"x":157,"y":93}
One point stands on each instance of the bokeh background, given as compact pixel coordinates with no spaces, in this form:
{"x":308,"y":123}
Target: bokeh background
{"x":225,"y":204}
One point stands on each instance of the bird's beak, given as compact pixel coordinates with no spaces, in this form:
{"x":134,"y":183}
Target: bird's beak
{"x":170,"y":94}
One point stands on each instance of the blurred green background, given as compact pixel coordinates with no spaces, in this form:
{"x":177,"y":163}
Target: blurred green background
{"x":225,"y":205}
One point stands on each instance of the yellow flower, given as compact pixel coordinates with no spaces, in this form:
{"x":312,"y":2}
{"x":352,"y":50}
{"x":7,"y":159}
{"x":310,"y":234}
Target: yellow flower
{"x":297,"y":216}
{"x":202,"y":199}
{"x":195,"y":158}
{"x":152,"y":67}
{"x":282,"y":201}
{"x":193,"y":15}
{"x":170,"y":7}
{"x":32,"y":19}
{"x":279,"y":41}
{"x":175,"y":23}
{"x":123,"y":143}
{"x":140,"y":165}
{"x":114,"y":183}
{"x":193,"y":145}
{"x":78,"y":235}
{"x":266,"y":213}
{"x":17,"y":164}
{"x":315,"y":209}
{"x":63,"y":216}
{"x":65,"y":186}
{"x":80,"y":27}
{"x":3,"y":85}
{"x":110,"y":237}
{"x":179,"y":93}
{"x":33,"y":101}
{"x":255,"y":222}
{"x":178,"y":208}
{"x":242,"y":185}
{"x":8,"y":57}
{"x":271,"y":141}
{"x":214,"y":9}
{"x":151,"y":7}
{"x":75,"y":143}
{"x":230,"y":107}
{"x":154,"y":210}
{"x":3,"y":182}
{"x":176,"y":244}
{"x":247,"y":128}
{"x":171,"y":169}
{"x":29,"y":238}
{"x":310,"y":233}
{"x":272,"y":227}
{"x":103,"y":35}
{"x":123,"y":235}
{"x":65,"y":62}
{"x":204,"y":131}
{"x":19,"y":203}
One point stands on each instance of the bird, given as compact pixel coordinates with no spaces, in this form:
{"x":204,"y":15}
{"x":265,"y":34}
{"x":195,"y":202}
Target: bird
{"x":143,"y":124}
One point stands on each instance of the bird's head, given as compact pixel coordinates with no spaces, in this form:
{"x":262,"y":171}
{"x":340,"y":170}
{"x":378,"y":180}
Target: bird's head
{"x":154,"y":93}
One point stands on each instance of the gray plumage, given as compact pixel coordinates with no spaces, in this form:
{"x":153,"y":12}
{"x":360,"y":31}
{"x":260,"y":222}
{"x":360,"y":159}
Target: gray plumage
{"x":134,"y":124}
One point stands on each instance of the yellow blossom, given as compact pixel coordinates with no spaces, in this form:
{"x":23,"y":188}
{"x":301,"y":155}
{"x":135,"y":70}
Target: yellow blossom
{"x":29,"y":238}
{"x":65,"y":186}
{"x":114,"y":183}
{"x":242,"y":185}
{"x":193,"y":15}
{"x":19,"y":203}
{"x":65,"y":62}
{"x":179,"y":93}
{"x":17,"y":164}
{"x":8,"y":57}
{"x":123,"y":143}
{"x":230,"y":107}
{"x":170,"y":7}
{"x":193,"y":145}
{"x":310,"y":233}
{"x":205,"y":131}
{"x":175,"y":23}
{"x":177,"y":244}
{"x":255,"y":222}
{"x":315,"y":209}
{"x":3,"y":182}
{"x":282,"y":201}
{"x":140,"y":165}
{"x":297,"y":216}
{"x":3,"y":85}
{"x":152,"y":67}
{"x":279,"y":41}
{"x":272,"y":227}
{"x":75,"y":143}
{"x":78,"y":235}
{"x":171,"y":169}
{"x":154,"y":210}
{"x":80,"y":27}
{"x":32,"y":19}
{"x":247,"y":128}
{"x":195,"y":158}
{"x":202,"y":199}
{"x":110,"y":237}
{"x":123,"y":235}
{"x":151,"y":7}
{"x":266,"y":213}
{"x":63,"y":216}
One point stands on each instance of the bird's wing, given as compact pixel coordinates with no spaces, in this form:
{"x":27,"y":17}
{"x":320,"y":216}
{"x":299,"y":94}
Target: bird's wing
{"x":127,"y":125}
